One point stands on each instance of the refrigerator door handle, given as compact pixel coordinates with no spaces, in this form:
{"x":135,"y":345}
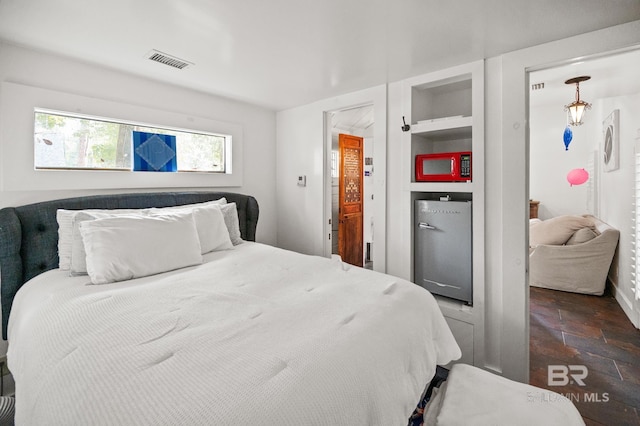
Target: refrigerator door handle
{"x":423,"y":225}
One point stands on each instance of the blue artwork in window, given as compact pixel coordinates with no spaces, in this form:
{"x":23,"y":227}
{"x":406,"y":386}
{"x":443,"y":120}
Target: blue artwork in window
{"x":154,"y":152}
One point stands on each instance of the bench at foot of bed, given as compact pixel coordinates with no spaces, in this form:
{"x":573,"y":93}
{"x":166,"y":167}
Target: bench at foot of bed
{"x":472,"y":396}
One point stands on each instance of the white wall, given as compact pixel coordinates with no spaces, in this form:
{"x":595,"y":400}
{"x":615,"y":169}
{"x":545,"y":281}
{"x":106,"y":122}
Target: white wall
{"x":616,"y":189}
{"x":31,"y":68}
{"x":506,"y":186}
{"x":301,"y":142}
{"x":396,"y":234}
{"x":300,"y":151}
{"x":549,"y":161}
{"x":46,"y":71}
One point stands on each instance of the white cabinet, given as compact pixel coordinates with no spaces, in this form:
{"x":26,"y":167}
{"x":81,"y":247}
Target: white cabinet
{"x":445,"y":112}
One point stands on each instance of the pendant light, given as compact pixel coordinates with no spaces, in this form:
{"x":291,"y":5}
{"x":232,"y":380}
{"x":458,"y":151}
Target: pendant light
{"x":576,"y":108}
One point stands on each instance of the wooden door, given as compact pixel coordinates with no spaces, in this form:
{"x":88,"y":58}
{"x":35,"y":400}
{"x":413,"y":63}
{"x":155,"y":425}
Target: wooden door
{"x":350,"y":193}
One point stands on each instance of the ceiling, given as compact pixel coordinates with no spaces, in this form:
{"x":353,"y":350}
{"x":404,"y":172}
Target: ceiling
{"x":611,"y":75}
{"x":353,"y":120}
{"x":283,"y":53}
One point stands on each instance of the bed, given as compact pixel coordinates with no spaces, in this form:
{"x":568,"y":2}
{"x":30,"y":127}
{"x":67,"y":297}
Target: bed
{"x":251,"y":334}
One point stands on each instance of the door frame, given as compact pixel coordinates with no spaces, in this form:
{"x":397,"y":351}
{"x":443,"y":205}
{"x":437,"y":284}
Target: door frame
{"x":376,"y":96}
{"x":508,"y":129}
{"x":631,"y":307}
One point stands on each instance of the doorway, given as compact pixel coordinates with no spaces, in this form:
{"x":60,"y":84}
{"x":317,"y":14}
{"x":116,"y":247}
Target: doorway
{"x":375,"y":98}
{"x":570,"y":328}
{"x":354,"y":242}
{"x":610,"y":88}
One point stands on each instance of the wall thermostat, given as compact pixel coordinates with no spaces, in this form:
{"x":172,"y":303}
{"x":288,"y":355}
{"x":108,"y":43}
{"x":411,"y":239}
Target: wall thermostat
{"x":302,"y":180}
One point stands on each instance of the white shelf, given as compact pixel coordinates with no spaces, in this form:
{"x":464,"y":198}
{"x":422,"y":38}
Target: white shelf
{"x":441,"y":186}
{"x":443,"y":127}
{"x":455,"y":309}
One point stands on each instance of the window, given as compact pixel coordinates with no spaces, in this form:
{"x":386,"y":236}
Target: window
{"x":74,"y":142}
{"x":335,"y":159}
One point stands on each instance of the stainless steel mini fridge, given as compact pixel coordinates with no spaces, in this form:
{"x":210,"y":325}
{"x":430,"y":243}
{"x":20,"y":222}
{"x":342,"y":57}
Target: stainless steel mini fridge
{"x":442,"y":238}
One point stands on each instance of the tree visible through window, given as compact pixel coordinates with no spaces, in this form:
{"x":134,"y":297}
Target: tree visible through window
{"x":64,"y":141}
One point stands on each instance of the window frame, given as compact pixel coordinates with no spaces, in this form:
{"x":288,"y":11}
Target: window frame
{"x":228,"y":141}
{"x":17,"y":172}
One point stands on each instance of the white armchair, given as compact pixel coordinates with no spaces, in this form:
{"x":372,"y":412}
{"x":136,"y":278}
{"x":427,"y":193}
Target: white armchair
{"x":579,"y":265}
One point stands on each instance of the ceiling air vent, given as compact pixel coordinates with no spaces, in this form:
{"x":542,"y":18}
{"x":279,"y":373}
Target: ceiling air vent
{"x":163,"y":58}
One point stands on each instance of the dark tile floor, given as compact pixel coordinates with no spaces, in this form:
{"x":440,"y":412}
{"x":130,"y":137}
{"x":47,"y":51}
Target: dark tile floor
{"x":568,"y":329}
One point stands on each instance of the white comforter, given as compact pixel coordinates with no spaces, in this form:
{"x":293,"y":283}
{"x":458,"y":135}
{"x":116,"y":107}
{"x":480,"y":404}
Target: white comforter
{"x":256,"y":335}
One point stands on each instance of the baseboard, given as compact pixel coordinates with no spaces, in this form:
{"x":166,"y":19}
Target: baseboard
{"x":626,"y":305}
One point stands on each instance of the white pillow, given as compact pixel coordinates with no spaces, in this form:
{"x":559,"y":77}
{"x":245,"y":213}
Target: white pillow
{"x":557,"y":230}
{"x":78,"y":264}
{"x":65,"y":226}
{"x":581,"y":236}
{"x":122,"y":248}
{"x":230,"y":213}
{"x":212,"y":230}
{"x":218,"y":202}
{"x":65,"y":230}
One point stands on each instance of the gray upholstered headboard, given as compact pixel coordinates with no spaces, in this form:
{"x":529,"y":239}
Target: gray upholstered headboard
{"x":29,"y":234}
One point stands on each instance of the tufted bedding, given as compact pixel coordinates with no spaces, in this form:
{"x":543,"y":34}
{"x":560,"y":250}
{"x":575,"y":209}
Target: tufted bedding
{"x":254,"y":335}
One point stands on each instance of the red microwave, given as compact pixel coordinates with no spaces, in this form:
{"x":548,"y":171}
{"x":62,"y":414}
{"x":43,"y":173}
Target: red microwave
{"x":443,"y":167}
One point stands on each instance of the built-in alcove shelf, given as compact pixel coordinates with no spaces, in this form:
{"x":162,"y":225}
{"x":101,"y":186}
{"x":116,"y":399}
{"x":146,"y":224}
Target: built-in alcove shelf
{"x":446,"y":112}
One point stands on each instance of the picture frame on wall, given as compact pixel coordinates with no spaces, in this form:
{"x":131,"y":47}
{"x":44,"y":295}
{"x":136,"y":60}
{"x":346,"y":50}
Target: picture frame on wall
{"x":611,"y":141}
